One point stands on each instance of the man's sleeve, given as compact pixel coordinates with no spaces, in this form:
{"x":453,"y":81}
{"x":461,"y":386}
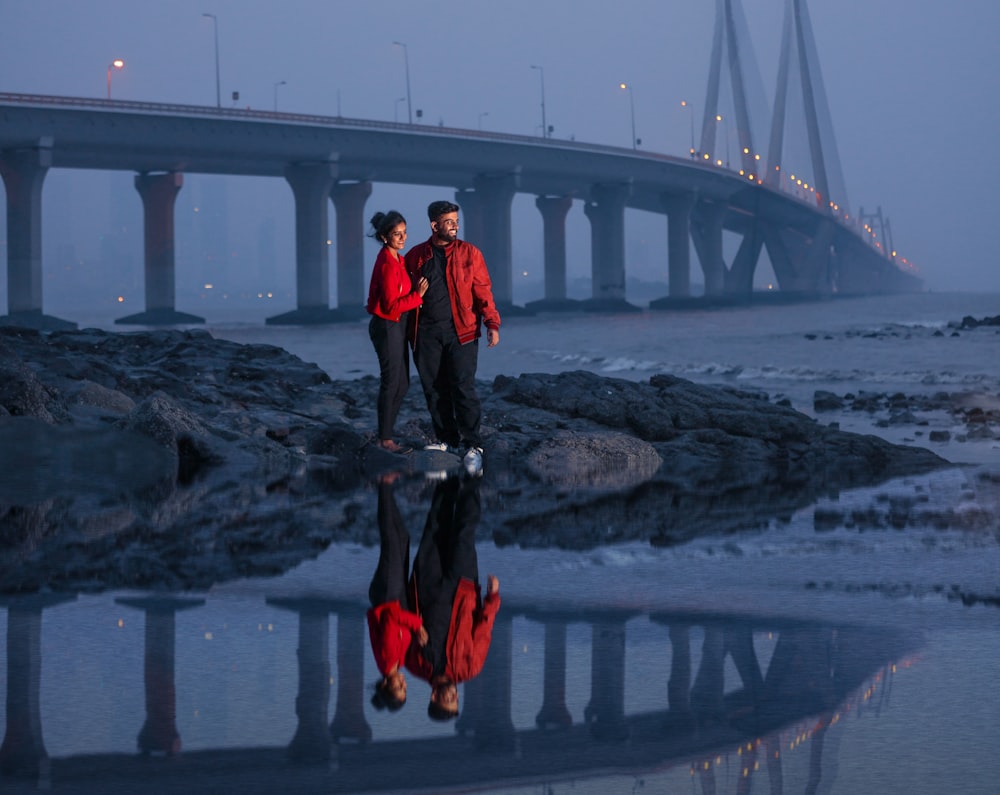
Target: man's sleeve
{"x":482,"y":291}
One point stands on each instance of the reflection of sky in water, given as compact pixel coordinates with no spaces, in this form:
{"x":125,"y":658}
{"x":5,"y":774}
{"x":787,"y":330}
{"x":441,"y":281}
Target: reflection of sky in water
{"x":923,"y":727}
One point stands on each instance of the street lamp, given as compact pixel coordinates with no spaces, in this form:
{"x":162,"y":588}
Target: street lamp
{"x":395,"y":109}
{"x":631,"y":105}
{"x":406,"y":64}
{"x":484,"y":113}
{"x":686,"y":104}
{"x":726,"y":120}
{"x":117,"y":63}
{"x":541,"y":75}
{"x":279,"y":83}
{"x":218,"y":89}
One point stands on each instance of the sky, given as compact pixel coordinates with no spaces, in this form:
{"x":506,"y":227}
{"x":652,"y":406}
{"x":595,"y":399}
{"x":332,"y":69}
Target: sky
{"x":913,"y":89}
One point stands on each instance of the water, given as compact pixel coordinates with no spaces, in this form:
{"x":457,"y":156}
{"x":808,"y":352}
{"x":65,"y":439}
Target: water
{"x":874,"y":676}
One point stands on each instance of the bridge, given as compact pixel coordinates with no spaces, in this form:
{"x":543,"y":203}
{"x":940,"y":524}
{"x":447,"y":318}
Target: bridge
{"x":816,"y":245}
{"x":796,"y":679}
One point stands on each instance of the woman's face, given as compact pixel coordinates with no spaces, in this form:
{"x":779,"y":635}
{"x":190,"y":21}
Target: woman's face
{"x":397,"y":237}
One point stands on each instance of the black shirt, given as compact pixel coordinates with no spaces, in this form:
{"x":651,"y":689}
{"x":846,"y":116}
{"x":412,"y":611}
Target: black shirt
{"x":437,"y":302}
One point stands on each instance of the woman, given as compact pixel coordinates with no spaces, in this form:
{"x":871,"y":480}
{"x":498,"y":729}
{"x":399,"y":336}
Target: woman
{"x":390,"y":297}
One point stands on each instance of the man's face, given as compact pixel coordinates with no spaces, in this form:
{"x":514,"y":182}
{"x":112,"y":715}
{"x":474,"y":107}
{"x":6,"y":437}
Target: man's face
{"x":445,"y":228}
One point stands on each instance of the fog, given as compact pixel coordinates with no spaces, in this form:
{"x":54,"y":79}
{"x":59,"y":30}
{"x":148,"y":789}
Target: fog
{"x":912,"y":89}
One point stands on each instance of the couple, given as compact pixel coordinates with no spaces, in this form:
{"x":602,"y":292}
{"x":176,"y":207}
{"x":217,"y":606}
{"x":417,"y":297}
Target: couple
{"x":433,"y":622}
{"x":438,"y":297}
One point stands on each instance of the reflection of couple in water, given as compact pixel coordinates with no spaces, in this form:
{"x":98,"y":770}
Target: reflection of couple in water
{"x":434,"y":621}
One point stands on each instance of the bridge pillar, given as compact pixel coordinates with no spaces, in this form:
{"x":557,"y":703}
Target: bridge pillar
{"x":472,"y":217}
{"x":606,"y":212}
{"x":311,"y":184}
{"x":488,"y":696}
{"x":554,"y":210}
{"x":554,"y":712}
{"x":23,"y":172}
{"x":159,"y":192}
{"x":159,"y":731}
{"x":349,"y":202}
{"x":496,"y":192}
{"x":349,"y":718}
{"x":706,"y":229}
{"x":606,"y":711}
{"x":22,"y":752}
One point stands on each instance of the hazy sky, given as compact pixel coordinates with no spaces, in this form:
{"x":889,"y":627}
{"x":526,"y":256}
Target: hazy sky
{"x":913,"y":87}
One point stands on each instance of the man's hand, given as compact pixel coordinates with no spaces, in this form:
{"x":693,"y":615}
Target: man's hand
{"x":492,"y":585}
{"x":492,"y":337}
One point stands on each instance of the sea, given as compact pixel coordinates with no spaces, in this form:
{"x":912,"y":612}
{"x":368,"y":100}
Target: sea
{"x":801,"y":656}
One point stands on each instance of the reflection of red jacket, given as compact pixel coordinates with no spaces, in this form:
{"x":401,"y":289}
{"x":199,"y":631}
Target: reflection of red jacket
{"x":390,"y":292}
{"x":469,"y":636}
{"x":469,"y":285}
{"x":390,"y":629}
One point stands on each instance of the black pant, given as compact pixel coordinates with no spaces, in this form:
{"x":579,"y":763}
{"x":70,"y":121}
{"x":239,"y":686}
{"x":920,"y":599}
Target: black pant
{"x":447,"y":372}
{"x":389,"y":339}
{"x":446,"y":554}
{"x":389,"y":581}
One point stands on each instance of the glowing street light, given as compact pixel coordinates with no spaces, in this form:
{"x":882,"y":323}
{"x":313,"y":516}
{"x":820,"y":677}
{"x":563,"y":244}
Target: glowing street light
{"x":279,"y":83}
{"x":218,"y":89}
{"x":686,"y":104}
{"x":117,"y":63}
{"x":541,"y":74}
{"x":406,"y":64}
{"x":631,"y":105}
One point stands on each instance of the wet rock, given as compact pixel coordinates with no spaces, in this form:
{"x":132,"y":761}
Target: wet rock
{"x":826,"y":401}
{"x":270,"y":460}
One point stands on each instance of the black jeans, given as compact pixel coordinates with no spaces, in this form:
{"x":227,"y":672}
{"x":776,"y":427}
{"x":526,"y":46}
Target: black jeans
{"x":389,"y":339}
{"x":447,"y":372}
{"x":393,"y":570}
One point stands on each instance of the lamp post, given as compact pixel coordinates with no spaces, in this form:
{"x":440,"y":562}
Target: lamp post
{"x":117,"y":63}
{"x":279,"y":83}
{"x":631,"y":106}
{"x":218,"y":88}
{"x":395,"y":109}
{"x":541,"y":75}
{"x":686,"y":104}
{"x":480,"y":122}
{"x":406,"y":65}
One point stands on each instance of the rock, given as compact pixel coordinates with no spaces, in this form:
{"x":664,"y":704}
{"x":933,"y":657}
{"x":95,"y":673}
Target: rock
{"x":826,"y":401}
{"x":269,"y":460}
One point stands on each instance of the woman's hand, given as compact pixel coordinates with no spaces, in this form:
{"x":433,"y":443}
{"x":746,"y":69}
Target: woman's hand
{"x":422,"y":286}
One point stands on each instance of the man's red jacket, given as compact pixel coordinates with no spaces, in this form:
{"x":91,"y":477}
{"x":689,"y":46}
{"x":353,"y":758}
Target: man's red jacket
{"x":469,"y":636}
{"x":469,"y":285}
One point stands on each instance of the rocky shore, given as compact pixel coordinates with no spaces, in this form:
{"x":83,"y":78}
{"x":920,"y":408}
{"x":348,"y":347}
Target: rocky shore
{"x":171,"y":459}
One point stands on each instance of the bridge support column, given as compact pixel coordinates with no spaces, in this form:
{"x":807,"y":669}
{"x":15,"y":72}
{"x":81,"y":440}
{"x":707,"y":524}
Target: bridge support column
{"x":488,"y":696}
{"x":349,"y":202}
{"x":678,"y":207}
{"x":554,"y":712}
{"x":311,"y":184}
{"x":554,"y":210}
{"x":349,"y":718}
{"x":707,"y":234}
{"x":23,"y":172}
{"x":496,"y":193}
{"x":159,"y":731}
{"x":159,"y":192}
{"x":605,"y":713}
{"x":606,"y":212}
{"x":471,"y":219}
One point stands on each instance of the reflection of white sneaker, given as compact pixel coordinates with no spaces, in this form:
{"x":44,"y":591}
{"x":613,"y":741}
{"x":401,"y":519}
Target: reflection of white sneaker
{"x":473,"y":460}
{"x":436,"y":474}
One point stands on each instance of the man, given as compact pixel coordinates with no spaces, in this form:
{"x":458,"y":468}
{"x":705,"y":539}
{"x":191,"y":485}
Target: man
{"x":444,"y":589}
{"x":446,"y":329}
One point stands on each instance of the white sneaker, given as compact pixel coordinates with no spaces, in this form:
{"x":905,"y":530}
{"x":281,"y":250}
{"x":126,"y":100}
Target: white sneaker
{"x":473,"y":460}
{"x":437,"y":446}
